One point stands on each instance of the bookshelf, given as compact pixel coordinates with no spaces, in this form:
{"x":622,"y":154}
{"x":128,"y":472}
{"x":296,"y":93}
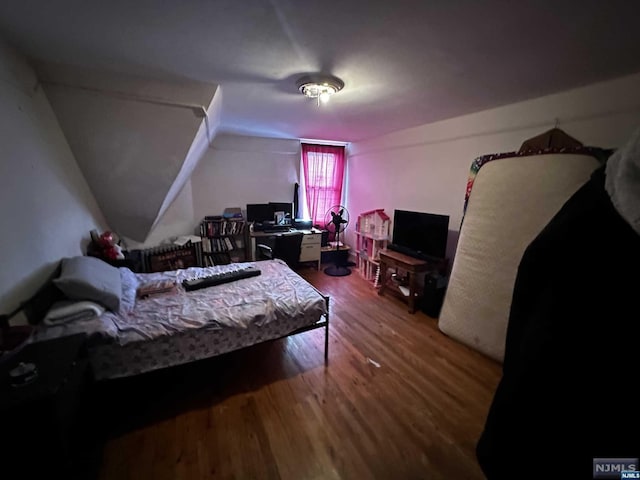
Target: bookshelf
{"x":222,"y":238}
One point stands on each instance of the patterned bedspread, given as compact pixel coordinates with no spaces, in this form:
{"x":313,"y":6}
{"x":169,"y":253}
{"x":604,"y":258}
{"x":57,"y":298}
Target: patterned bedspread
{"x":179,"y":326}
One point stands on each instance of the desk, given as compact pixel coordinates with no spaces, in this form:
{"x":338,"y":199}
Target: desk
{"x":412,"y":266}
{"x":309,"y":251}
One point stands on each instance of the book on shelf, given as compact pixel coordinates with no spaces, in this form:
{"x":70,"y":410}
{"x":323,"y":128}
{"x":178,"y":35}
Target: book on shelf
{"x":217,"y":258}
{"x":220,"y":236}
{"x":216,"y":226}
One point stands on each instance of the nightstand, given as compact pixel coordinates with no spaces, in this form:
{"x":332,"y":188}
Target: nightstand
{"x":40,"y":419}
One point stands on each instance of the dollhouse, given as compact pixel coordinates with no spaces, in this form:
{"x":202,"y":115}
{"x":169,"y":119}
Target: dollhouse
{"x":372,"y":235}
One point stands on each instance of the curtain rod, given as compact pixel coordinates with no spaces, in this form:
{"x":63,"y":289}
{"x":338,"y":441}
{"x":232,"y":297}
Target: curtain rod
{"x":324,"y":142}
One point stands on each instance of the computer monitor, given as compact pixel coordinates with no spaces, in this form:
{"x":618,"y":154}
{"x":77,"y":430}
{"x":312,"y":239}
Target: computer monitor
{"x":286,"y":207}
{"x":260,"y":212}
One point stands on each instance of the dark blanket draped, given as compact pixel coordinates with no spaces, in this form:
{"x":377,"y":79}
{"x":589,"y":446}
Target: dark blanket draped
{"x":572,"y":348}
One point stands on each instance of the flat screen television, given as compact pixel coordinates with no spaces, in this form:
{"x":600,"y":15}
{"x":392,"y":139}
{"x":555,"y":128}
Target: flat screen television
{"x":420,"y":235}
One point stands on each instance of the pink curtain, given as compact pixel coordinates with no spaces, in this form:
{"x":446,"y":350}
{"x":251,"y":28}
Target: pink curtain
{"x":323,"y":167}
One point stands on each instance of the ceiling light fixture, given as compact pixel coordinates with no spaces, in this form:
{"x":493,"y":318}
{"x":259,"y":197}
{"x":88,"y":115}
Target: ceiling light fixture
{"x":320,"y":87}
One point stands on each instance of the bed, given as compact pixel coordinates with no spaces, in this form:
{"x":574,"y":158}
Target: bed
{"x":177,"y":326}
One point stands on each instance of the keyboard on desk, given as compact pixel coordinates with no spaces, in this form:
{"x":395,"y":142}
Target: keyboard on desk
{"x":277,"y":229}
{"x":220,"y":277}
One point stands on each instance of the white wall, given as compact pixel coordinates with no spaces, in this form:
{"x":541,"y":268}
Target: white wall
{"x":239,"y":170}
{"x":202,"y":141}
{"x":426,"y":168}
{"x":46,"y":207}
{"x":235,"y":171}
{"x":132,"y":137}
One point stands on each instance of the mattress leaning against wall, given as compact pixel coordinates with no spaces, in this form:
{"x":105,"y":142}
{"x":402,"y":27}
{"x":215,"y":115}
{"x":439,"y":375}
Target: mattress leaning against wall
{"x":513,"y":197}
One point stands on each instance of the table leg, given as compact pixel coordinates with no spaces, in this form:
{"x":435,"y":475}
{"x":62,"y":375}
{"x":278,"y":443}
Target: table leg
{"x":252,"y":241}
{"x":412,"y":292}
{"x":383,"y":277}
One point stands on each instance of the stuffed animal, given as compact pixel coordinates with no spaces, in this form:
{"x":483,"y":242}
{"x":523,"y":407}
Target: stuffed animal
{"x":109,"y":248}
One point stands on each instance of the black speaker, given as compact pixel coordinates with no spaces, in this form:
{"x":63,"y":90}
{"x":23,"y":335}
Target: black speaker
{"x":435,"y":286}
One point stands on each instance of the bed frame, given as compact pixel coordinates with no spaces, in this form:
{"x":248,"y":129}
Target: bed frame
{"x":37,"y":306}
{"x":319,"y":324}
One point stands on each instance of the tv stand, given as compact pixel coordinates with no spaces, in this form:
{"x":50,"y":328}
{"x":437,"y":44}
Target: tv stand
{"x":413,"y":267}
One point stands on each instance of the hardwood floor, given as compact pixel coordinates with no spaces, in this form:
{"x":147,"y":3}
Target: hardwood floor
{"x":398,"y":399}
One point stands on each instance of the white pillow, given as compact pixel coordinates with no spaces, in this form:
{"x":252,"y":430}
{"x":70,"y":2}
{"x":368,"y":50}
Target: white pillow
{"x":89,"y":278}
{"x":130,"y":283}
{"x":67,"y":311}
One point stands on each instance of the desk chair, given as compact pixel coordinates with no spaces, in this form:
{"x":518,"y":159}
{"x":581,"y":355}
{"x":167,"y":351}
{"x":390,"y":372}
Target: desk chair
{"x":286,"y":247}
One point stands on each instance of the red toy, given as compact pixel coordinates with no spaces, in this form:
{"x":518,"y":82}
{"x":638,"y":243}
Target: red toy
{"x":109,"y":248}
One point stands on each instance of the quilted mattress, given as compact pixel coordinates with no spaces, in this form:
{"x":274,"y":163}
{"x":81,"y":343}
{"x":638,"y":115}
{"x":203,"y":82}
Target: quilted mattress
{"x":511,"y":201}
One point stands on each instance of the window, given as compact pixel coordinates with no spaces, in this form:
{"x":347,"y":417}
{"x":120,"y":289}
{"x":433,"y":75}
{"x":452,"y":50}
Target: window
{"x":323,"y":167}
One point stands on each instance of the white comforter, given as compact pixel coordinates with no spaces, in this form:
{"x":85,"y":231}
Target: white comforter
{"x":278,"y":293}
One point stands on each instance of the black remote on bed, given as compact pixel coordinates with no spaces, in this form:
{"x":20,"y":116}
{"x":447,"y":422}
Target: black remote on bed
{"x":219,"y":278}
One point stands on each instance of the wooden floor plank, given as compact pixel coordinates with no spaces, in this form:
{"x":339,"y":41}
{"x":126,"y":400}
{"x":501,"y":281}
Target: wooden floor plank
{"x":398,"y":399}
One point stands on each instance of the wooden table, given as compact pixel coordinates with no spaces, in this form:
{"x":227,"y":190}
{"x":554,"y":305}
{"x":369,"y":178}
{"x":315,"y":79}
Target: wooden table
{"x":413,"y":267}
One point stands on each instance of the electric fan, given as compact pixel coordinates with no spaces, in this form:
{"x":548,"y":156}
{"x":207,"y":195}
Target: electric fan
{"x":336,"y":221}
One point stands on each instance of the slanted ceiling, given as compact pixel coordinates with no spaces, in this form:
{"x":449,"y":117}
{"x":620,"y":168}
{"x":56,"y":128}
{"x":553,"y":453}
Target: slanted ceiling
{"x":136,"y":140}
{"x":404,"y":63}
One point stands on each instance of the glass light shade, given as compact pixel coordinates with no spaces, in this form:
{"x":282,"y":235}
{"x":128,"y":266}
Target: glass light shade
{"x":320,"y":87}
{"x":324,"y":96}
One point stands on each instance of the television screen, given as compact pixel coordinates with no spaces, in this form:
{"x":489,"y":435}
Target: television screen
{"x":420,"y":235}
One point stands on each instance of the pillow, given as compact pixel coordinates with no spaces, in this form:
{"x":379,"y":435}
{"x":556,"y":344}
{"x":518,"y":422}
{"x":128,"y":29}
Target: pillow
{"x":129,"y":287}
{"x":89,"y":278}
{"x":69,"y":311}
